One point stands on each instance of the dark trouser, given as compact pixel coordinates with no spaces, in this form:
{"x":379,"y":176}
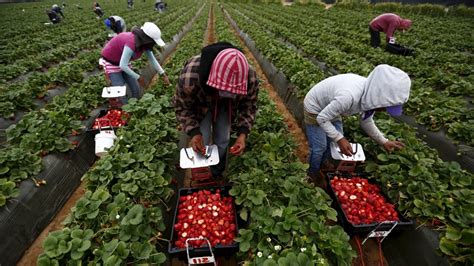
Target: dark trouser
{"x":217,"y":132}
{"x":374,"y":37}
{"x":98,"y":12}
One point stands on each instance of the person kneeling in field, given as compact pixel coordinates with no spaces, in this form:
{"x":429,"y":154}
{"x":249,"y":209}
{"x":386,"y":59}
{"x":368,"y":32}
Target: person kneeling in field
{"x":387,"y":23}
{"x":216,"y":89}
{"x":128,"y":46}
{"x":53,"y":17}
{"x":386,"y":88}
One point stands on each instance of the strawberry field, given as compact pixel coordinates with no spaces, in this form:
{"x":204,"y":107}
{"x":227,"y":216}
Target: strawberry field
{"x":50,"y":88}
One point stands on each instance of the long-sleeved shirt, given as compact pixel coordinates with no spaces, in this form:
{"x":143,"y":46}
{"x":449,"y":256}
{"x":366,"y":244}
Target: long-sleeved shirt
{"x":387,"y":23}
{"x":348,"y":94}
{"x":192,"y":101}
{"x":121,"y":50}
{"x":127,"y":55}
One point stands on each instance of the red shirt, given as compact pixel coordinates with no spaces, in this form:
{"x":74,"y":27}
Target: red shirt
{"x":387,"y":23}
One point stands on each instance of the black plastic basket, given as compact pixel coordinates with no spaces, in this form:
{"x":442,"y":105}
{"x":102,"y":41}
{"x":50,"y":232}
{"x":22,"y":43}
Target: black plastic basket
{"x":399,"y":49}
{"x":101,"y":114}
{"x":219,"y":250}
{"x":356,"y":229}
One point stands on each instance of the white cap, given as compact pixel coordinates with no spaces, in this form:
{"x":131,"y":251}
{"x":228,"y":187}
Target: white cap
{"x":54,"y":6}
{"x":153,"y":32}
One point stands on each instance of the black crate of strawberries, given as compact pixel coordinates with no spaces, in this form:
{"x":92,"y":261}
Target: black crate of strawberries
{"x":361,"y":205}
{"x":113,"y":118}
{"x":204,"y":212}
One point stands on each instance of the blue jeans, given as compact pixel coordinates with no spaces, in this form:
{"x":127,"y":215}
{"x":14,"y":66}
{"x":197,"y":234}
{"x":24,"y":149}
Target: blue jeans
{"x":217,"y":132}
{"x":318,"y":145}
{"x":122,"y":78}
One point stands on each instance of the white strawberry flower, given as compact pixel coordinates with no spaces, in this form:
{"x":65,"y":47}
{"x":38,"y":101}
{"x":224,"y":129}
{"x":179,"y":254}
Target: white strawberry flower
{"x":259,"y":254}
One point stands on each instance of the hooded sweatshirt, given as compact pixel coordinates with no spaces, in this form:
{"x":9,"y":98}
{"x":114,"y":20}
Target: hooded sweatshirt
{"x":348,"y":94}
{"x":119,"y":25}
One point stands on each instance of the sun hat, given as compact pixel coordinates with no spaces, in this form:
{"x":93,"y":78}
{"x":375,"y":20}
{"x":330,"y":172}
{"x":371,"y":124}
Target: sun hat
{"x":153,"y":32}
{"x":229,"y":72}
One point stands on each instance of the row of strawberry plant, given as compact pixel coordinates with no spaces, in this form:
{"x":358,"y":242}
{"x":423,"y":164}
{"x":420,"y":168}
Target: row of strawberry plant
{"x":434,"y":68}
{"x":69,"y":43}
{"x":287,"y":216}
{"x":119,"y":220}
{"x":21,"y":95}
{"x":426,"y":178}
{"x":300,"y":71}
{"x":49,"y":130}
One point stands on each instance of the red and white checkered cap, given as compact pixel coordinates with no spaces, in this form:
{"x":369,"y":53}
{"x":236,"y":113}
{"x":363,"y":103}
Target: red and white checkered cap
{"x":229,"y":72}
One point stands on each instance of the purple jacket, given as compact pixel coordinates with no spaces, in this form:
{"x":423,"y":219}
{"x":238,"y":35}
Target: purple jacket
{"x":387,"y":23}
{"x":113,"y":50}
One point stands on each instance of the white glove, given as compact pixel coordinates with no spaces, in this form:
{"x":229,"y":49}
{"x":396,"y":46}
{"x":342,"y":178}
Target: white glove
{"x":391,"y":40}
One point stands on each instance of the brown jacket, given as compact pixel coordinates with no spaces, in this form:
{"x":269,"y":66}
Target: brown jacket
{"x":192,"y":102}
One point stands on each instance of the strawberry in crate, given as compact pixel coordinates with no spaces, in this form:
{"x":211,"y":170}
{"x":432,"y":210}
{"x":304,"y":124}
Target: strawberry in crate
{"x":114,"y":118}
{"x":362,"y":202}
{"x":205,"y":214}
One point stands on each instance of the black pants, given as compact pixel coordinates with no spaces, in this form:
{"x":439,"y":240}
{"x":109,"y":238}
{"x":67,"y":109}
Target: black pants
{"x":98,"y":12}
{"x":374,"y":37}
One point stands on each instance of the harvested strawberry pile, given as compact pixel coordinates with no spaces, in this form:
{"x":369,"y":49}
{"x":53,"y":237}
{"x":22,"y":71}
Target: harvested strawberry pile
{"x":113,"y":118}
{"x":362,"y":202}
{"x":205,"y":214}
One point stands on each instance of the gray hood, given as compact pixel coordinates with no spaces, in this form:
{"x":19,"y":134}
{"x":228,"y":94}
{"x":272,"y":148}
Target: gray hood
{"x":385,"y":86}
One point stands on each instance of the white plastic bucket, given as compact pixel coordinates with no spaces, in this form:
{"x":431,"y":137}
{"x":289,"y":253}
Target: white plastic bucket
{"x":104,"y":140}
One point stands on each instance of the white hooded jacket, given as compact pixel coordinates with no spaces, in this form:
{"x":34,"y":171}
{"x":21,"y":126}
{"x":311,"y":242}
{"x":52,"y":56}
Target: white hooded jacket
{"x":348,"y":94}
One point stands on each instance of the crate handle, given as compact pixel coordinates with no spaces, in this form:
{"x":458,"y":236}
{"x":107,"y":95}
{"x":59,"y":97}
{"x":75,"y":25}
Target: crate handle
{"x":382,"y":234}
{"x":200,"y":260}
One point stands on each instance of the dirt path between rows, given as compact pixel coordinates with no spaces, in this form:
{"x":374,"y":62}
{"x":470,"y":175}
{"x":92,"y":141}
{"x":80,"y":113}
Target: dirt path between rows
{"x":296,"y":131}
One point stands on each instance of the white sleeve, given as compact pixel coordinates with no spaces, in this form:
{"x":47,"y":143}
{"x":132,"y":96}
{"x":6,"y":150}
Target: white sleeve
{"x":371,"y":129}
{"x":329,"y":113}
{"x":154,"y":62}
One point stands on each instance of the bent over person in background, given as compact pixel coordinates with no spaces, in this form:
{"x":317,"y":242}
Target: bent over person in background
{"x":386,"y":88}
{"x":387,"y":23}
{"x":116,"y":24}
{"x":216,"y":91}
